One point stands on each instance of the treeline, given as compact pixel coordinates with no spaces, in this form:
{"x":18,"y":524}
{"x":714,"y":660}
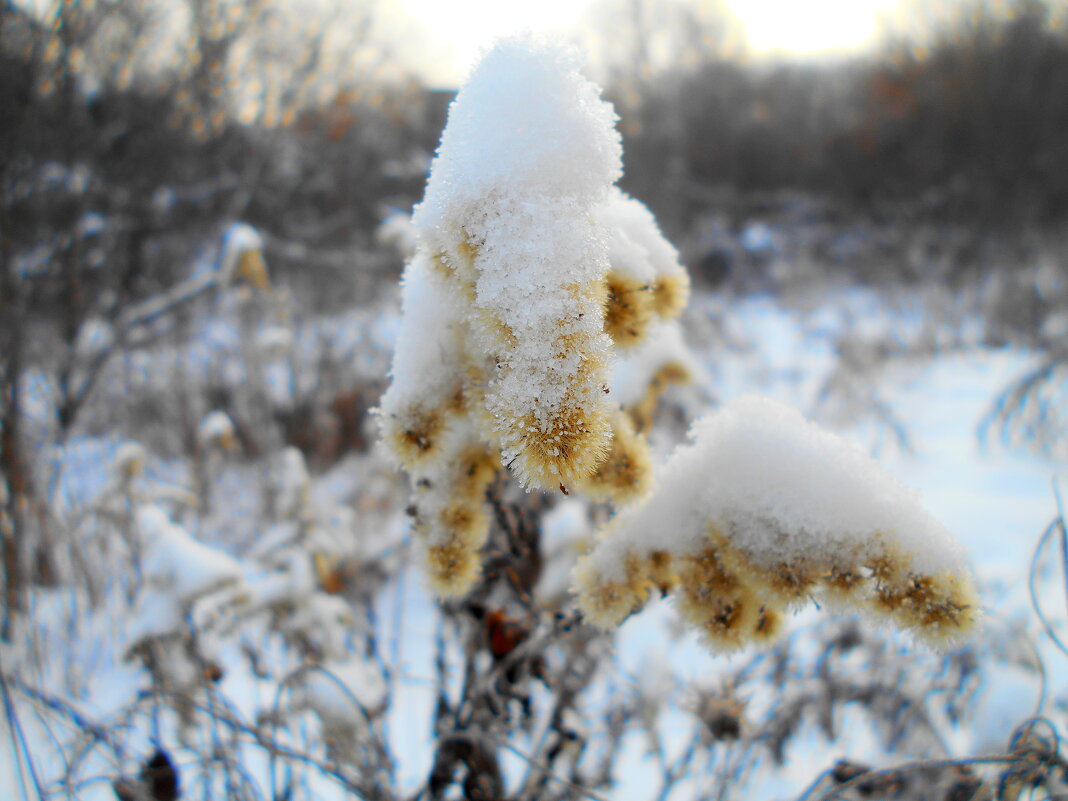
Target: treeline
{"x":131,"y":137}
{"x":966,"y":120}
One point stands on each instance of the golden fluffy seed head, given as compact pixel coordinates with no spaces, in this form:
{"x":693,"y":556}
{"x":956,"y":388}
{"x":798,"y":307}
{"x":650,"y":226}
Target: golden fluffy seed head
{"x":627,"y":471}
{"x":769,"y":623}
{"x":606,"y":603}
{"x":628,"y":310}
{"x":463,"y":519}
{"x":661,"y":570}
{"x":790,"y":582}
{"x":567,"y":450}
{"x":453,"y":566}
{"x":845,"y":585}
{"x":474,"y":470}
{"x":414,"y":436}
{"x":938,"y":609}
{"x":671,"y":293}
{"x":252,"y":267}
{"x":726,"y":619}
{"x":888,"y":565}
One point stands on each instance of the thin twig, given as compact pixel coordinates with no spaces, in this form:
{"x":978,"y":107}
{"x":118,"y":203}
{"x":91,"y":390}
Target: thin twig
{"x":1032,"y":581}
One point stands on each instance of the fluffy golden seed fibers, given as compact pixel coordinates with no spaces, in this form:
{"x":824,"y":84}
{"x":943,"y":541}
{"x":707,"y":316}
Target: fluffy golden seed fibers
{"x":627,"y":471}
{"x":453,"y":566}
{"x":629,"y":308}
{"x":607,"y":602}
{"x":671,"y":293}
{"x":414,"y":435}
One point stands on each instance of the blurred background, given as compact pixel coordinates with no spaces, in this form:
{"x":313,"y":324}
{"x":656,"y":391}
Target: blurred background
{"x":204,"y":209}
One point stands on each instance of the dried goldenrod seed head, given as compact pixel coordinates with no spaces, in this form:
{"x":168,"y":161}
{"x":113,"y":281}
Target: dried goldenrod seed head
{"x":453,"y":566}
{"x":938,"y":609}
{"x":844,"y":584}
{"x":714,"y":594}
{"x":607,"y":602}
{"x":565,"y":449}
{"x":790,"y":582}
{"x":414,"y":436}
{"x":474,"y":468}
{"x":629,"y":308}
{"x":461,"y":519}
{"x":252,"y":268}
{"x":671,"y":293}
{"x":627,"y":471}
{"x":887,"y":564}
{"x":769,"y":623}
{"x":662,"y":571}
{"x":727,"y":619}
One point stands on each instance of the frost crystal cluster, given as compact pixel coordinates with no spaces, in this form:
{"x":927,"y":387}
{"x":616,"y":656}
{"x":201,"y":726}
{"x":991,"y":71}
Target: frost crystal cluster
{"x":531,"y":270}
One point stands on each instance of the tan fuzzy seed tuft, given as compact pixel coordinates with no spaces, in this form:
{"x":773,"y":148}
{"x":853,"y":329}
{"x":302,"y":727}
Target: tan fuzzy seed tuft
{"x":628,"y":310}
{"x":414,"y":436}
{"x":671,"y":293}
{"x":606,"y":603}
{"x":627,"y":471}
{"x":453,"y":566}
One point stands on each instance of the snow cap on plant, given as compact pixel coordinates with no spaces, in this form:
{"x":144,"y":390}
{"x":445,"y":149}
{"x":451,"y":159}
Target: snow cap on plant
{"x":426,"y":389}
{"x":764,"y":511}
{"x":129,"y":461}
{"x":646,"y":281}
{"x":530,"y":267}
{"x":528,"y":153}
{"x":216,"y":430}
{"x":242,"y":256}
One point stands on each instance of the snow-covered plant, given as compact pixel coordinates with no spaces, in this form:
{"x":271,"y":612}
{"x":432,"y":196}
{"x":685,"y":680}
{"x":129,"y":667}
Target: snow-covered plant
{"x":532,"y":268}
{"x":764,"y":511}
{"x":534,"y":276}
{"x":242,"y":256}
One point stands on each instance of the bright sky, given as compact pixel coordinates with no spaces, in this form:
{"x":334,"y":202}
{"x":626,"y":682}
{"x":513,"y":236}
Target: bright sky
{"x":454,"y":31}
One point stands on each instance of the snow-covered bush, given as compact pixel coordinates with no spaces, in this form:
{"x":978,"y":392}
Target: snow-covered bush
{"x":533,"y":276}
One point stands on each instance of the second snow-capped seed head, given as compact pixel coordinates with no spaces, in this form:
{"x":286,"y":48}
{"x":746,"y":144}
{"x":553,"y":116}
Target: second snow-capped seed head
{"x":762,"y":512}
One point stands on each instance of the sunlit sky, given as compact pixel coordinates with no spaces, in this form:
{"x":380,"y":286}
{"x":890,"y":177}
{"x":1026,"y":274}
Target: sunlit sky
{"x":454,"y":31}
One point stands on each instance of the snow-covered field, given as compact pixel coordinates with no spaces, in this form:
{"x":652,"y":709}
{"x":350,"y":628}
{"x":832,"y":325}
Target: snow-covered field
{"x":997,"y":501}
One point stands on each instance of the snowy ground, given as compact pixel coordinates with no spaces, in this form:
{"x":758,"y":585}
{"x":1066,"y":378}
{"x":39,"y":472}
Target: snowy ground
{"x":996,"y":501}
